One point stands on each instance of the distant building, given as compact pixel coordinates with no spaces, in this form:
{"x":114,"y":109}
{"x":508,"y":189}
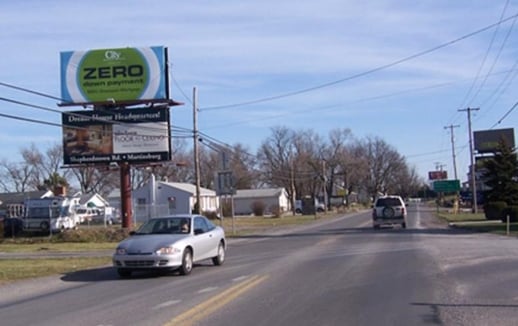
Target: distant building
{"x":272,"y":198}
{"x":156,"y":198}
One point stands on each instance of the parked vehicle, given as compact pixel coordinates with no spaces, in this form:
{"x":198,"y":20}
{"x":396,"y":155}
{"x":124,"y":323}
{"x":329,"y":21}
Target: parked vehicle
{"x":48,"y":214}
{"x":302,"y":206}
{"x":389,"y":210}
{"x":170,"y":243}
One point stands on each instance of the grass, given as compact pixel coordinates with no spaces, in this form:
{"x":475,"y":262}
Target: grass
{"x":94,"y":239}
{"x":479,"y":223}
{"x":18,"y":269}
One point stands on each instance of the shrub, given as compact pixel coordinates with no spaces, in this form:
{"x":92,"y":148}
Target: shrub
{"x":211,"y":215}
{"x":258,"y":208}
{"x":92,"y":235}
{"x":495,"y":210}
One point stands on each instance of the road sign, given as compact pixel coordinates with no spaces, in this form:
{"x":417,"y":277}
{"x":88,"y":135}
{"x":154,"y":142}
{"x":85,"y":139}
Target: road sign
{"x":446,"y":185}
{"x":225,"y":183}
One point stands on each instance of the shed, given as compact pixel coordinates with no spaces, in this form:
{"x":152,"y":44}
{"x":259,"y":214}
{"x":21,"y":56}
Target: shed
{"x":272,"y":198}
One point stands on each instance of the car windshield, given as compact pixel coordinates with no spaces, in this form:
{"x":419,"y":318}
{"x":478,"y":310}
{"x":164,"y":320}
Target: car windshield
{"x":173,"y":225}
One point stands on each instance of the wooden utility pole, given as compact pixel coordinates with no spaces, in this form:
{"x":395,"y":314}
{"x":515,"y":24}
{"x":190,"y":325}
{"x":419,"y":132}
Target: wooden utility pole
{"x":197,"y":206}
{"x":473,"y":170}
{"x":453,"y":148}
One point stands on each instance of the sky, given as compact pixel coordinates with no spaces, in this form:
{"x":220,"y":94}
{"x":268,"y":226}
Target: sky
{"x":401,"y":70}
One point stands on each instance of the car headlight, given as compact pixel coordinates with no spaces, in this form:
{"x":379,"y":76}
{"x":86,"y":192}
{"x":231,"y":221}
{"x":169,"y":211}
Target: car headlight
{"x":120,"y":251}
{"x":168,"y":250}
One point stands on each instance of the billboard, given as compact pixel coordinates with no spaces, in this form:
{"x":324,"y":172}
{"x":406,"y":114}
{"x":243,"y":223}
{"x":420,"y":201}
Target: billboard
{"x":136,"y":135}
{"x":487,"y":141}
{"x":437,"y":175}
{"x":109,"y":76}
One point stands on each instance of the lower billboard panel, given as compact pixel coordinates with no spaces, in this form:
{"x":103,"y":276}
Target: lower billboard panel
{"x":130,"y":135}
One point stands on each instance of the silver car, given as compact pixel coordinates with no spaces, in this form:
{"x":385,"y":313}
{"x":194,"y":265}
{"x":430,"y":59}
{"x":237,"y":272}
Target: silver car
{"x":170,"y":243}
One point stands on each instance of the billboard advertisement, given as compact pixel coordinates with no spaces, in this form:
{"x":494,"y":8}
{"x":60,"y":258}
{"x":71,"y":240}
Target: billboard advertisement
{"x":136,"y":135}
{"x":121,"y":75}
{"x":487,"y":141}
{"x":437,"y":175}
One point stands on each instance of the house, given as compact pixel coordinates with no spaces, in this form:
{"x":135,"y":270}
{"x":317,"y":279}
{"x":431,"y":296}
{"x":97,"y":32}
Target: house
{"x":272,"y":198}
{"x":157,"y":198}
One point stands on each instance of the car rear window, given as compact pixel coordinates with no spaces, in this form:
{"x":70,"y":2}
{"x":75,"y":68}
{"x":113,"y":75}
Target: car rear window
{"x":388,"y":202}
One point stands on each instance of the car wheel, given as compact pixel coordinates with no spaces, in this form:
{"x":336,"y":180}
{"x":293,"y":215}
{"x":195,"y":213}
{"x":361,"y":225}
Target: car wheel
{"x":124,"y":273}
{"x":388,"y":212}
{"x":186,"y":267}
{"x":298,"y":211}
{"x":220,"y":258}
{"x":403,"y":225}
{"x":44,"y":226}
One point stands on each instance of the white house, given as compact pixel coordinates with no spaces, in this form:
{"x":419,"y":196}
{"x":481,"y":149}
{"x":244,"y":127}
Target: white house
{"x":164,"y":198}
{"x":272,"y":198}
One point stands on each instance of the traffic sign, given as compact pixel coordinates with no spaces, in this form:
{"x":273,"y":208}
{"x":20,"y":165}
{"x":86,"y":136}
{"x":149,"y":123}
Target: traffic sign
{"x":446,"y":185}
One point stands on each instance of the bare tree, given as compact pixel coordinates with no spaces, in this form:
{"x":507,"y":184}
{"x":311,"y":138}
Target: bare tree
{"x":384,"y":165}
{"x":276,"y":159}
{"x":15,"y":177}
{"x":97,"y":179}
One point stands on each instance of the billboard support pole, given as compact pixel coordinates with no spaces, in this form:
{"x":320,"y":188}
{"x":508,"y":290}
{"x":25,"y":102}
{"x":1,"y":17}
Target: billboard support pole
{"x":126,"y":212}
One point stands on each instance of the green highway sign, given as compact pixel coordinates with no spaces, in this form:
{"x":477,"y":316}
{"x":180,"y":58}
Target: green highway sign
{"x":446,"y":185}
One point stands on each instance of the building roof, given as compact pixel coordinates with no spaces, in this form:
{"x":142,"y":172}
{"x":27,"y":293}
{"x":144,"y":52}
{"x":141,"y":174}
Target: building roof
{"x":19,"y":197}
{"x":186,"y":187}
{"x":258,"y":193}
{"x":189,"y":188}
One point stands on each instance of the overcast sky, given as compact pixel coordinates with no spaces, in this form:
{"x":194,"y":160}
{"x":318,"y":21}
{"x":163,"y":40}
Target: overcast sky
{"x":395,"y":69}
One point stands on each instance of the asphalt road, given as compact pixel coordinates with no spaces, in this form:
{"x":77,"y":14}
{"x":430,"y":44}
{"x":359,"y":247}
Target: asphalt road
{"x":339,"y":272}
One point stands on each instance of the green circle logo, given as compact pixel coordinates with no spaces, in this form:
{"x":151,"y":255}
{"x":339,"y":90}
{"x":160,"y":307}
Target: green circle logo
{"x":116,"y":74}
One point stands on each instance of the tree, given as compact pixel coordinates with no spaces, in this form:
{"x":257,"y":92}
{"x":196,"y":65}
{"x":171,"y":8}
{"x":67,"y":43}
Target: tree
{"x":384,"y":164}
{"x":501,"y":175}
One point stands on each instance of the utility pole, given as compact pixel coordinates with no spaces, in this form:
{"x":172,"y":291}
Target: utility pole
{"x":439,"y":166}
{"x":324,"y":179}
{"x":453,"y":148}
{"x":473,"y":170}
{"x":197,"y":206}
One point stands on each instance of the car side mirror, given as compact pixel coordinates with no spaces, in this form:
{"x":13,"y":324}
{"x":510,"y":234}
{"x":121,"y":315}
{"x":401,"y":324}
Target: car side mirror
{"x":198,"y":231}
{"x":132,"y":233}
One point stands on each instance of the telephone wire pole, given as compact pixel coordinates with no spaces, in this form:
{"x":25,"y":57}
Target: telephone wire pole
{"x":473,"y":170}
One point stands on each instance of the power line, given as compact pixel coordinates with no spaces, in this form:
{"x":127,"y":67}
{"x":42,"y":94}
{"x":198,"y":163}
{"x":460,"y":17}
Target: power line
{"x":380,"y":68}
{"x":505,"y":115}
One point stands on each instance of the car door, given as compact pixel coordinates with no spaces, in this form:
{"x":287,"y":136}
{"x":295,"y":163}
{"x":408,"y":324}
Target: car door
{"x":204,"y":239}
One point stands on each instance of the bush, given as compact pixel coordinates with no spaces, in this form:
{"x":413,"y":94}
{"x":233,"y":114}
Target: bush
{"x":92,"y":235}
{"x":211,"y":215}
{"x":495,"y":210}
{"x":258,"y":208}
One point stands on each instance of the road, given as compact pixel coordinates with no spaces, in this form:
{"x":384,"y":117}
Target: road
{"x":337,"y":272}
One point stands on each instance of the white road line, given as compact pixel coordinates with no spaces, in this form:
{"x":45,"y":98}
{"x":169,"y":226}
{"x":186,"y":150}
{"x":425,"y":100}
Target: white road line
{"x":209,"y":289}
{"x":166,"y":304}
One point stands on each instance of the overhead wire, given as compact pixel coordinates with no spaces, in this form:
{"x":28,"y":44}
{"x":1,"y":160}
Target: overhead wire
{"x":361,"y":74}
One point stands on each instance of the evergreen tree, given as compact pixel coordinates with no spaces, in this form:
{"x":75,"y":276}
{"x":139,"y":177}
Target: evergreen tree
{"x":501,"y":175}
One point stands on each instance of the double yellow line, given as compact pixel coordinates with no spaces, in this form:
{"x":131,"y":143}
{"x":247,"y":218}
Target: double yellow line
{"x":204,"y":309}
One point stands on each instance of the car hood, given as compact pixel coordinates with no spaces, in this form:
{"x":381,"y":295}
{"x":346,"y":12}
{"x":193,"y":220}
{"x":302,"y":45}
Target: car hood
{"x":149,"y":243}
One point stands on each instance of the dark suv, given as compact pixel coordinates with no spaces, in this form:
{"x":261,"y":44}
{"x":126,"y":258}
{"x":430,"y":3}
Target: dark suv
{"x":389,"y":210}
